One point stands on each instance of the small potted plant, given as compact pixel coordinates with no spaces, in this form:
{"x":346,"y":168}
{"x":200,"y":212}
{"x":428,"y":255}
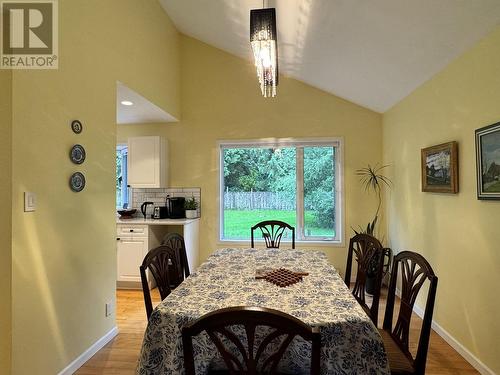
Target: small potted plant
{"x":190,"y":206}
{"x":373,"y":180}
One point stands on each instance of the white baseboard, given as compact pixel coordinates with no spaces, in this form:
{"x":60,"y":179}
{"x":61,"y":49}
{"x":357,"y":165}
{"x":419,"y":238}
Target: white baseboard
{"x":87,"y":354}
{"x":446,"y":336}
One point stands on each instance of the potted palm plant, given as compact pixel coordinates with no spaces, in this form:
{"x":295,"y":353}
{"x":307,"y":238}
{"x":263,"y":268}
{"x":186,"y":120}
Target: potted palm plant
{"x":191,"y":206}
{"x":373,"y":180}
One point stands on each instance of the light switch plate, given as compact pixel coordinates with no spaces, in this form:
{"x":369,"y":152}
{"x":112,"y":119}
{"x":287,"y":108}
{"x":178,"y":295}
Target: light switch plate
{"x":29,"y":201}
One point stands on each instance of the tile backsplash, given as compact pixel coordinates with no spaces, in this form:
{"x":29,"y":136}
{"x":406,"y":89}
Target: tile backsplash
{"x":158,"y":196}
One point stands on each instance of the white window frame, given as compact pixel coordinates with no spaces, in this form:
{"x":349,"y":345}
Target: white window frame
{"x":337,"y":142}
{"x":124,"y":146}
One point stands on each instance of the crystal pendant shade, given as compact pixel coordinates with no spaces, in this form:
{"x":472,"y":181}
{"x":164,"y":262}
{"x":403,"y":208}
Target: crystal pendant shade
{"x":263,"y":38}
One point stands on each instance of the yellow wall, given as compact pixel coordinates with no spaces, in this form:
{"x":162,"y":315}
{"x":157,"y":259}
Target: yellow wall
{"x":64,"y":254}
{"x":458,"y":234}
{"x":5,"y":218}
{"x":221,"y":100}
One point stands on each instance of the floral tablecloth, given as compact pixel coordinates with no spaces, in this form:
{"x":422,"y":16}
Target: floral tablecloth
{"x":350,"y":342}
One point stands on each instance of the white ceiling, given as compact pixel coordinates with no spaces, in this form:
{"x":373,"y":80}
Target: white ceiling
{"x":142,"y":110}
{"x":371,"y":52}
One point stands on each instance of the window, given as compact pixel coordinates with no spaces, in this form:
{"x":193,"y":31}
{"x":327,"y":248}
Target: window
{"x":121,"y":176}
{"x":294,"y":181}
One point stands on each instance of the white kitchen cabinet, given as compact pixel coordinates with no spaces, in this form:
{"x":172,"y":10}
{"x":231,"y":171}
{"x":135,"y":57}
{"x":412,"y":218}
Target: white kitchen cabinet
{"x":147,"y":162}
{"x":132,"y":244}
{"x":130,"y":253}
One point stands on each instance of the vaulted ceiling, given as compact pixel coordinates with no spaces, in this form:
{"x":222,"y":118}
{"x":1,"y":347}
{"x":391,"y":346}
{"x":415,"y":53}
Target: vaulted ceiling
{"x":371,"y":52}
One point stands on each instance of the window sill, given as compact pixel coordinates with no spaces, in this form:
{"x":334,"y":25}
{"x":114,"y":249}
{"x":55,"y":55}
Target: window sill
{"x":301,"y":244}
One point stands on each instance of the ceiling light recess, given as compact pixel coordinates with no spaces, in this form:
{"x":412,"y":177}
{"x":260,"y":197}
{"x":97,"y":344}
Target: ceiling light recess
{"x":126,"y":102}
{"x":263,"y":38}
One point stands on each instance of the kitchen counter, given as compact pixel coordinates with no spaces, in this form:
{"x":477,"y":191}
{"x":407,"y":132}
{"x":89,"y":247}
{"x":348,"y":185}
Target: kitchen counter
{"x":140,"y":220}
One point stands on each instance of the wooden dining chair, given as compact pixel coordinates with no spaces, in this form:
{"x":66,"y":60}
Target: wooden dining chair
{"x":415,"y":270}
{"x":272,"y":231}
{"x":157,"y":262}
{"x":178,"y":266}
{"x":248,"y":359}
{"x":369,"y":256}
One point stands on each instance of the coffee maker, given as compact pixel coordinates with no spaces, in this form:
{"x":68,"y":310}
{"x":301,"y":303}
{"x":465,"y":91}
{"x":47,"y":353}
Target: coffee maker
{"x":175,"y":207}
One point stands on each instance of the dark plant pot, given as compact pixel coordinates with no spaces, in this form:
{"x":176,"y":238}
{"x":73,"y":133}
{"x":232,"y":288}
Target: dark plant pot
{"x":370,"y":284}
{"x":370,"y":279}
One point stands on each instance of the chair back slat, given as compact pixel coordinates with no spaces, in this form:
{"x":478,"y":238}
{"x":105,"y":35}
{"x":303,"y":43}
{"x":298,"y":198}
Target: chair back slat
{"x":272,"y":231}
{"x":249,"y":358}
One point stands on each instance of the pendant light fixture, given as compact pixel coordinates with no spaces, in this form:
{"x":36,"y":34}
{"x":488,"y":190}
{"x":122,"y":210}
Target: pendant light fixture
{"x":264,"y":41}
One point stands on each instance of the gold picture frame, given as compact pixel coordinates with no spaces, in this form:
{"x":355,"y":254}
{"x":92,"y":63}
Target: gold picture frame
{"x":440,"y":168}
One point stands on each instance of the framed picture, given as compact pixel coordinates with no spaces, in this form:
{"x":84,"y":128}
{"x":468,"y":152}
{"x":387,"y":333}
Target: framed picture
{"x":488,"y":162}
{"x":440,"y":168}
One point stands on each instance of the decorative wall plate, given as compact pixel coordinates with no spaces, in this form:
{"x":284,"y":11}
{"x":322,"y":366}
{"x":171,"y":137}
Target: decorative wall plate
{"x":76,"y":126}
{"x":77,"y":182}
{"x":77,"y":154}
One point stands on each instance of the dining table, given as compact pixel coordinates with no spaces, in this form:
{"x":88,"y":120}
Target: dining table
{"x":350,"y":342}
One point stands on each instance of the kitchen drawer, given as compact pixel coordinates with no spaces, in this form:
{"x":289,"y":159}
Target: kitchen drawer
{"x":124,"y":230}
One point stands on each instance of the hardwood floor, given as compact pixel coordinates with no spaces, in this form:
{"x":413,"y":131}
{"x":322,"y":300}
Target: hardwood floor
{"x":441,"y":357}
{"x":120,"y":355}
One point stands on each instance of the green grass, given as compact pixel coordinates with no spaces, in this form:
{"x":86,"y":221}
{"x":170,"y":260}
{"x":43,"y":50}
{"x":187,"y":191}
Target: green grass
{"x":237,"y":223}
{"x":437,"y":181}
{"x":495,"y":188}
